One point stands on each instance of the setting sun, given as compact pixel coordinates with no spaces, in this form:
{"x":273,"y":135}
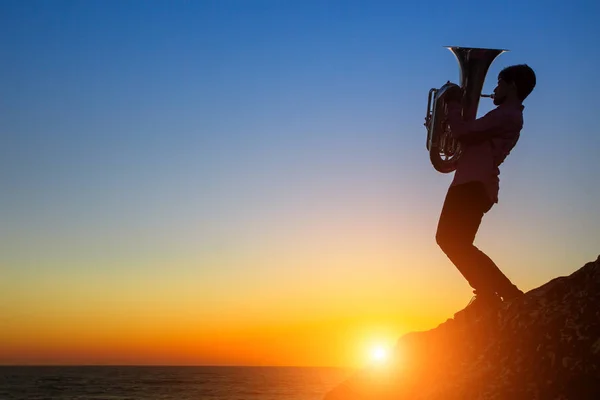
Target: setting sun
{"x":379,"y":354}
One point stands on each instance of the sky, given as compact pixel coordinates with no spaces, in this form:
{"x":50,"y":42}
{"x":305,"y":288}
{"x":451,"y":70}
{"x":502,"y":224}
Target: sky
{"x":247,"y":183}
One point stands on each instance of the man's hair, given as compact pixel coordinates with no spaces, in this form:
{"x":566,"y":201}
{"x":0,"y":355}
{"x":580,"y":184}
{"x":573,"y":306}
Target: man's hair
{"x":522,"y":76}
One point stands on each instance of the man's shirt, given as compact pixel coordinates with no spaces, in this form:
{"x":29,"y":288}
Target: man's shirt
{"x":485,"y":143}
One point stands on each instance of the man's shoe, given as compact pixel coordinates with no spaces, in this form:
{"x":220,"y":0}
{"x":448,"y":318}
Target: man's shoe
{"x":513,"y":295}
{"x":508,"y":301}
{"x":479,"y":306}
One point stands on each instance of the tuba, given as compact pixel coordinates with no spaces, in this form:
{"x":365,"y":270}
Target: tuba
{"x":444,"y":150}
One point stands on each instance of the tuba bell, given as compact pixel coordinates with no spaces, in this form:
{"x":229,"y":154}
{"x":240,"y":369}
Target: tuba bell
{"x":444,"y":150}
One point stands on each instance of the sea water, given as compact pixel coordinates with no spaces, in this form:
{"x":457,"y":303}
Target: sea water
{"x":166,"y":383}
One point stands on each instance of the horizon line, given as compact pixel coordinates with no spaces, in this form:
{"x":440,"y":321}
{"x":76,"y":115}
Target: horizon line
{"x":172,"y":365}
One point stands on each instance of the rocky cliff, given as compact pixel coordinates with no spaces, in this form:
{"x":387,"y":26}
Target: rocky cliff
{"x":544,"y":346}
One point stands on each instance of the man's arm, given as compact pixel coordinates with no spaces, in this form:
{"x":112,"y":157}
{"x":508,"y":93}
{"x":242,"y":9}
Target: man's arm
{"x":476,"y":131}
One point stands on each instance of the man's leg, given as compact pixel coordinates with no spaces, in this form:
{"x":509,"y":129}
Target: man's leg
{"x":460,"y":219}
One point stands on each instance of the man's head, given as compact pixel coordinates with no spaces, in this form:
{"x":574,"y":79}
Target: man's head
{"x":515,"y":83}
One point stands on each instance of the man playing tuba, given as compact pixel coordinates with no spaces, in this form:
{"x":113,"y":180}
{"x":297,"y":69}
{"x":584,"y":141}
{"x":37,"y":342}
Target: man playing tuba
{"x":485,"y":144}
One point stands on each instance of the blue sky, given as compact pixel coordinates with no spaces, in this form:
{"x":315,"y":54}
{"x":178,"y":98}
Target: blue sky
{"x":193,"y":135}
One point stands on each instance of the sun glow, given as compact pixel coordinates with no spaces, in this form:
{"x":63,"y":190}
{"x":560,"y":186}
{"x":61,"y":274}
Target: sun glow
{"x":379,"y":354}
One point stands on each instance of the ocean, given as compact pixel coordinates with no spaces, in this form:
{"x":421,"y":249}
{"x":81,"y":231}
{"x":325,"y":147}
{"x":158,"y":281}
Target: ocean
{"x":168,"y":383}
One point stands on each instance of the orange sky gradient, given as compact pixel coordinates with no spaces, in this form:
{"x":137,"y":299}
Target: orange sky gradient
{"x":154,"y":321}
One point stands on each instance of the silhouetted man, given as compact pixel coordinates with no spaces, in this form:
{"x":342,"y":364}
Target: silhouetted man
{"x":486,"y":142}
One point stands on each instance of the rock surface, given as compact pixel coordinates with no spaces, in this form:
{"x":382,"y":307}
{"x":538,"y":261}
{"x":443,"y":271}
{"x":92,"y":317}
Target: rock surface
{"x":544,"y":346}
